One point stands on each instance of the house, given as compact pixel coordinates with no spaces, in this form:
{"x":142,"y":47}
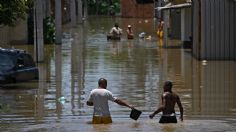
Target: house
{"x":139,"y":8}
{"x":177,"y":16}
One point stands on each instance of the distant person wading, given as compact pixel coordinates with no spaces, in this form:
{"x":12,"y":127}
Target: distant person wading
{"x":115,"y":33}
{"x":130,"y":34}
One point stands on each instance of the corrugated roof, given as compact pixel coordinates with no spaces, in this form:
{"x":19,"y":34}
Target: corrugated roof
{"x":172,"y":6}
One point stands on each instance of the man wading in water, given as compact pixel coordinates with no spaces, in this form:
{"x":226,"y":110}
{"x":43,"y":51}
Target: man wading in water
{"x":168,"y":101}
{"x":99,"y":99}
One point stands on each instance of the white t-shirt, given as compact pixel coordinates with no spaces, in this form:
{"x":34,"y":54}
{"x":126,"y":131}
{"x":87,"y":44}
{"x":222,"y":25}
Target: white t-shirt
{"x":100,"y":97}
{"x":116,"y":31}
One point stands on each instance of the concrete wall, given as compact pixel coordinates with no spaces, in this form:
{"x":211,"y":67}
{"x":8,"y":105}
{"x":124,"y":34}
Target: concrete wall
{"x":196,"y":30}
{"x":186,"y":23}
{"x":175,"y":24}
{"x":217,"y":30}
{"x":14,"y":35}
{"x":4,"y":35}
{"x":19,"y":33}
{"x":130,"y":8}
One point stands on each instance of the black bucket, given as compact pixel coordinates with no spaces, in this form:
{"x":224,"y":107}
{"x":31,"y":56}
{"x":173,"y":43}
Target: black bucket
{"x":134,"y":114}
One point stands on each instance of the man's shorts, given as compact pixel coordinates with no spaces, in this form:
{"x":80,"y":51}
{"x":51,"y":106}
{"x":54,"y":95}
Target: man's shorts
{"x":101,"y":120}
{"x":168,"y":119}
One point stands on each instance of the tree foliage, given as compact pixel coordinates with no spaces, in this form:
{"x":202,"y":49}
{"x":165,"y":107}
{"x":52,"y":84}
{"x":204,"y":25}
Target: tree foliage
{"x":103,"y":7}
{"x":12,"y":10}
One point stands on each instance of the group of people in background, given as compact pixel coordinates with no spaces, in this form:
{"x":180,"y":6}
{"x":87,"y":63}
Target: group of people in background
{"x":116,"y":32}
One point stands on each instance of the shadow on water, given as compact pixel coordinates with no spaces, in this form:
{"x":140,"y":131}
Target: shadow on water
{"x":135,"y":69}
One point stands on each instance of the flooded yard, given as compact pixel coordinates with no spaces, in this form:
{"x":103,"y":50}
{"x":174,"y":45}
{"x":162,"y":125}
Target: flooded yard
{"x":135,"y":69}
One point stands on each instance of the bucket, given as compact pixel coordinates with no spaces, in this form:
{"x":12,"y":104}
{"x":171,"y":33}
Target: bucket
{"x":134,"y":114}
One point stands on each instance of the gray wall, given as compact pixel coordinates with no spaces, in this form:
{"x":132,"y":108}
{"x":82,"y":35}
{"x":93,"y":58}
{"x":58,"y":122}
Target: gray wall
{"x":234,"y":29}
{"x":217,"y":41}
{"x":186,"y":20}
{"x":196,"y":30}
{"x":175,"y":24}
{"x":14,"y":35}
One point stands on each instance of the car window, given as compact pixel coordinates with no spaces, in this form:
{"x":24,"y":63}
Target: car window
{"x":28,"y":61}
{"x":6,"y":60}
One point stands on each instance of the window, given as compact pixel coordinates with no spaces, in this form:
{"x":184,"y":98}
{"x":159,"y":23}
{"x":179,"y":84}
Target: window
{"x":28,"y":61}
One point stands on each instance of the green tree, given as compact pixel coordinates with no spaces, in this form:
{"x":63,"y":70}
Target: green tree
{"x":103,"y":7}
{"x":12,"y":10}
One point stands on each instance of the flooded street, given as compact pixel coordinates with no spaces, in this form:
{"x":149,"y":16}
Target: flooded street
{"x":135,"y":70}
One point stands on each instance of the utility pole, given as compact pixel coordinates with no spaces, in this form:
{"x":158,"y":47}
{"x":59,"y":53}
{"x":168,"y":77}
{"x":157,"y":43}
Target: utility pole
{"x":85,"y":9}
{"x":73,"y":13}
{"x":80,"y":9}
{"x":38,"y":31}
{"x":48,"y":8}
{"x":58,"y":21}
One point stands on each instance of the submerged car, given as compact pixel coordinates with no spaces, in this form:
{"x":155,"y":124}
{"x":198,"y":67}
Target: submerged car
{"x":16,"y":66}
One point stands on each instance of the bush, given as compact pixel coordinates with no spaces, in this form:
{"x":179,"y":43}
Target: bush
{"x":49,"y":30}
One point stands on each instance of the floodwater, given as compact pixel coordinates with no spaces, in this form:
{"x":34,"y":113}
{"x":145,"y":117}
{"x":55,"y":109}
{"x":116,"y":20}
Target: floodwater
{"x":135,"y":70}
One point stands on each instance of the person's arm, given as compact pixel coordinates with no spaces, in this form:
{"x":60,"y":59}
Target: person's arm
{"x":128,"y":31}
{"x":120,"y":31}
{"x":180,"y":108}
{"x":156,"y":112}
{"x":111,"y":31}
{"x":90,"y":102}
{"x":123,"y":103}
{"x":159,"y":109}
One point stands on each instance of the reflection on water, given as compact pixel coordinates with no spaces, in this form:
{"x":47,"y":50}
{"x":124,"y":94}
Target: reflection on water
{"x":135,"y":69}
{"x":214,"y":88}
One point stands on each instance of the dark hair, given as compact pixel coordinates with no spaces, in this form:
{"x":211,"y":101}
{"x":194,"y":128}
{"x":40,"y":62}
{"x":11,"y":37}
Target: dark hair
{"x":116,"y":25}
{"x":169,"y":84}
{"x":101,"y":80}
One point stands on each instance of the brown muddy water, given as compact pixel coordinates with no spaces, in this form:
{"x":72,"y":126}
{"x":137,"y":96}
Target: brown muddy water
{"x":135,"y":70}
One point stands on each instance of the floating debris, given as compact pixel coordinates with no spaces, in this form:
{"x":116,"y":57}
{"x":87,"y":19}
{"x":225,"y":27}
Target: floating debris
{"x":62,"y":100}
{"x":204,"y":62}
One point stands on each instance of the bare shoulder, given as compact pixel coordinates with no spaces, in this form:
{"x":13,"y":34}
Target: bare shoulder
{"x":175,"y":95}
{"x":165,"y":94}
{"x":170,"y":95}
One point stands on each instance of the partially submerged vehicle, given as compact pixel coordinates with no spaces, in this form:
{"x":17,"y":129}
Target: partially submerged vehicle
{"x":16,"y":66}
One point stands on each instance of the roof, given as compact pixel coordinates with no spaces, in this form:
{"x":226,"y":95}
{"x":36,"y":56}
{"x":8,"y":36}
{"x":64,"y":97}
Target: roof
{"x":172,"y":6}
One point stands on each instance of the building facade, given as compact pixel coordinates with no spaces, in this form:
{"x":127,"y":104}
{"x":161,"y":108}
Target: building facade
{"x":137,"y":8}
